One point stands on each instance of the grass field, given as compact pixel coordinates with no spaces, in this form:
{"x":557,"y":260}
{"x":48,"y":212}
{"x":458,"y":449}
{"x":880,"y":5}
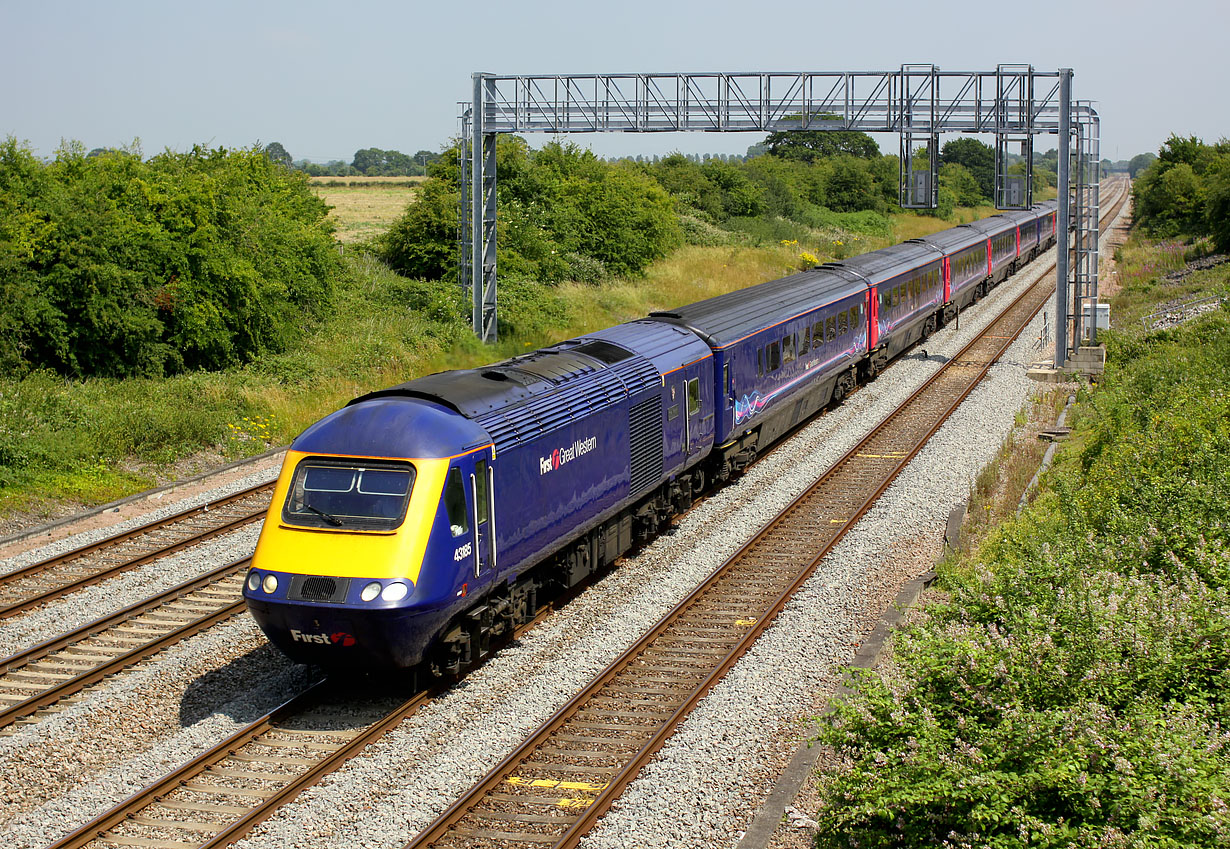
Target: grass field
{"x":364,"y":182}
{"x":367,"y":208}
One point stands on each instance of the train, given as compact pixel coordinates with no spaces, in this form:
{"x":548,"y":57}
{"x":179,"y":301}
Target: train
{"x":420,"y":525}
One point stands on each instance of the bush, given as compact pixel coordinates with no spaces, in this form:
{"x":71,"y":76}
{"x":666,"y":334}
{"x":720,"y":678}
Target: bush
{"x":112,"y":265}
{"x":422,"y":242}
{"x":1185,"y":191}
{"x":1076,"y":688}
{"x":554,"y":206}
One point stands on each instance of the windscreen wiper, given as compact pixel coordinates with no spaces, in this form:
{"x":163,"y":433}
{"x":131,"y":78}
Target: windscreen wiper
{"x":328,"y":517}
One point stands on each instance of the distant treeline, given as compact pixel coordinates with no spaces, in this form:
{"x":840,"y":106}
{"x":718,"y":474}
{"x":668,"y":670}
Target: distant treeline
{"x":368,"y":162}
{"x":565,"y":214}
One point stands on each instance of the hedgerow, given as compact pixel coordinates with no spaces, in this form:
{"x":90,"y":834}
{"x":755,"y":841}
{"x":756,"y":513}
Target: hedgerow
{"x":114,"y":265}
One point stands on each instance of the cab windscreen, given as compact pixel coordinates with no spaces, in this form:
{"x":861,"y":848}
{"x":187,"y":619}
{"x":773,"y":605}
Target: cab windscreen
{"x":326,"y":494}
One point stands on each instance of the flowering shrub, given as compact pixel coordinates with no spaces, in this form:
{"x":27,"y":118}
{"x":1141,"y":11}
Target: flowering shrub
{"x":1075,"y":691}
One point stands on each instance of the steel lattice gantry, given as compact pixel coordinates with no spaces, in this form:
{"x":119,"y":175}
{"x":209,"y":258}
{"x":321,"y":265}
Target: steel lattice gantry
{"x":1013,"y":102}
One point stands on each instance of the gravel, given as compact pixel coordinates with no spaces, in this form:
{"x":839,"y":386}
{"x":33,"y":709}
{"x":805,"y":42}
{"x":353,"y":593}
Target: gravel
{"x":89,"y":603}
{"x":57,"y":774}
{"x":60,"y":772}
{"x":52,"y":549}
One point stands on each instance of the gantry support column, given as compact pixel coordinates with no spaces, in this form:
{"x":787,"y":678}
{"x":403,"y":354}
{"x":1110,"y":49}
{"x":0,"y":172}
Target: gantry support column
{"x":482,"y":215}
{"x":1061,"y":242}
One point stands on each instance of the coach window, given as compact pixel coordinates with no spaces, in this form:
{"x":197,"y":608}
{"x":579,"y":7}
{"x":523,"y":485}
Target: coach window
{"x":805,"y":345}
{"x":775,"y":356}
{"x":726,"y":376}
{"x":455,"y":503}
{"x":842,"y":326}
{"x":788,"y":349}
{"x":831,"y":326}
{"x":853,"y":317}
{"x":760,"y":362}
{"x":693,"y":396}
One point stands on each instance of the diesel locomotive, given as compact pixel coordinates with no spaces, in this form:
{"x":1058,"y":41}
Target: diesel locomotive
{"x":419,"y":524}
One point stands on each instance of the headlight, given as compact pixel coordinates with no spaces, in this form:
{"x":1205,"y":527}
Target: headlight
{"x":254,"y":581}
{"x":370,"y":591}
{"x":394,"y":592}
{"x":270,"y":583}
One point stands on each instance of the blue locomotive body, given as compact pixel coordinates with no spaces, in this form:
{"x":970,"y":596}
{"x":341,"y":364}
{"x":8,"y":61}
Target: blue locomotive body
{"x":420,"y":523}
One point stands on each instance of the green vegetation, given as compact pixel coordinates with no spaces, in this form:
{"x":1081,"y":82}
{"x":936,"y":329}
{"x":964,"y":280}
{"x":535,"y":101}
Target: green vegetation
{"x":112,"y":265}
{"x":198,"y":304}
{"x":1186,"y":191}
{"x":1073,"y":689}
{"x":367,"y":162}
{"x":563,"y":214}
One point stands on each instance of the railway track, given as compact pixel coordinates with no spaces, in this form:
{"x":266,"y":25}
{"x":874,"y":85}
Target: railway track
{"x":39,"y":678}
{"x":555,"y":786}
{"x":222,"y":794}
{"x":563,"y":778}
{"x":47,"y":580}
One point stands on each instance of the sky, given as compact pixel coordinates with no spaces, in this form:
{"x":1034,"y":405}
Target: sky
{"x":326,"y":79}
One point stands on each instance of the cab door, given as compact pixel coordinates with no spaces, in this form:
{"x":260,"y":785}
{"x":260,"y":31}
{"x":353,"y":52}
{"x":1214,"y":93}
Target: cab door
{"x":482,"y":505}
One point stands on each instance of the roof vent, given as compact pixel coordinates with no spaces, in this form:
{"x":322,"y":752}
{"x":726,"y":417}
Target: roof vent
{"x":603,"y":351}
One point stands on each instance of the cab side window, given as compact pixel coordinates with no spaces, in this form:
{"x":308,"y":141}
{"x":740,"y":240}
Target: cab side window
{"x":455,"y":503}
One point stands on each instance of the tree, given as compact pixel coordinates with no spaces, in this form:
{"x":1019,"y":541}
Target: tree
{"x":277,"y":153}
{"x":975,"y":157}
{"x":1217,"y":211}
{"x":111,"y":265}
{"x":423,"y":241}
{"x":958,"y":180}
{"x":374,"y":162}
{"x":810,"y":145}
{"x":1140,"y":162}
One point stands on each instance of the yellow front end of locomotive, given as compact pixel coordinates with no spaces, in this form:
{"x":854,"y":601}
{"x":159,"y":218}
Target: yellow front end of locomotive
{"x":394,"y":552}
